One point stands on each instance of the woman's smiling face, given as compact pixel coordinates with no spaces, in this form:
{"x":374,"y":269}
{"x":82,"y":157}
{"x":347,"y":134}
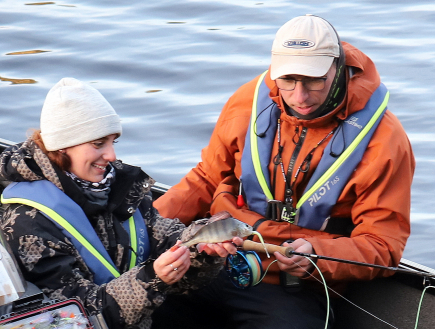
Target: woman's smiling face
{"x":89,"y":160}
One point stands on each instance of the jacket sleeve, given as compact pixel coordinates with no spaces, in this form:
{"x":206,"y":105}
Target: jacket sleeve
{"x":52,"y":263}
{"x":378,"y":198}
{"x":47,"y":258}
{"x":149,"y":290}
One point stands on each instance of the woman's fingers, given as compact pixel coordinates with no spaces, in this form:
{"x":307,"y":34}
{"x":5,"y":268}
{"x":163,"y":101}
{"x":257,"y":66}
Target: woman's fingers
{"x":173,"y":272}
{"x":171,"y":266}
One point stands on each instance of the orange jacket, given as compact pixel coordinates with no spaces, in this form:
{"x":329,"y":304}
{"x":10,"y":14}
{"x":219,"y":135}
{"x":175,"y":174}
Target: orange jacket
{"x":376,"y":198}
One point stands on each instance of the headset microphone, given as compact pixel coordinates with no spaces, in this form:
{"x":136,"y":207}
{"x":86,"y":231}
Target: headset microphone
{"x":261,"y":135}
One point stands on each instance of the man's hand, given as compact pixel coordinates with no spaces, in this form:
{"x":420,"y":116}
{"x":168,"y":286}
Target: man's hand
{"x":298,"y":266}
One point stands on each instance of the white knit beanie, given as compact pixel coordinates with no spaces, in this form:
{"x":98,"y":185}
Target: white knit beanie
{"x":75,"y":113}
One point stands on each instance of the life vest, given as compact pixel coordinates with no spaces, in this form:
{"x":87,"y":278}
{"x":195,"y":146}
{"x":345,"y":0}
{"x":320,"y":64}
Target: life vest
{"x":331,"y":175}
{"x":72,"y":221}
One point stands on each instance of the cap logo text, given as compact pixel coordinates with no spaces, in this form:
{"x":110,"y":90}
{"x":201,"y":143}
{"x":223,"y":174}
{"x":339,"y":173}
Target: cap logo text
{"x":298,"y":43}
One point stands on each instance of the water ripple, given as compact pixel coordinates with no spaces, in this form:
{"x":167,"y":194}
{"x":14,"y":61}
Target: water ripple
{"x":169,"y":66}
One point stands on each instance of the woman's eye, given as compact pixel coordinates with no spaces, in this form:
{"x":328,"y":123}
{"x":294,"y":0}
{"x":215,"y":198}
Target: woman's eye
{"x":98,"y":144}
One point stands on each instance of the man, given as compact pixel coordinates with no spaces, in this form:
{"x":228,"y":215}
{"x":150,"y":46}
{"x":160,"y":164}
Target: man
{"x":324,"y":168}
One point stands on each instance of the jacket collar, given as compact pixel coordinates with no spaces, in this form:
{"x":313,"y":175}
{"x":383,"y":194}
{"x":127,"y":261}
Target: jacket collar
{"x":127,"y":191}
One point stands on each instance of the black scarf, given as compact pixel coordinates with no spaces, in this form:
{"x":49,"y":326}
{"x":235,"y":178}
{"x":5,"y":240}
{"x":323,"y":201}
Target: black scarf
{"x":96,"y":193}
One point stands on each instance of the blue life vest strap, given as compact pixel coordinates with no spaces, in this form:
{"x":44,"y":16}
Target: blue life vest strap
{"x":139,"y":241}
{"x":72,"y":221}
{"x":332,"y":173}
{"x":257,"y":151}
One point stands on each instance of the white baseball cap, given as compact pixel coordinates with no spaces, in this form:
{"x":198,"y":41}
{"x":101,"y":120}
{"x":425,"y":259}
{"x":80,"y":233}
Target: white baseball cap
{"x":305,"y":45}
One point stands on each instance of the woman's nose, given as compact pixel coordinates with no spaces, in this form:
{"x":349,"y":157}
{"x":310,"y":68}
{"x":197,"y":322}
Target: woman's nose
{"x":109,"y":153}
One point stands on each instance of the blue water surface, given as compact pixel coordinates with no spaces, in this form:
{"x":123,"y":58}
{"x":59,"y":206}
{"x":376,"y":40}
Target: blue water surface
{"x":169,"y":66}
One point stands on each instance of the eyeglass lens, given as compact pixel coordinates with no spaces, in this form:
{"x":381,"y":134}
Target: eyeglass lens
{"x":312,"y":84}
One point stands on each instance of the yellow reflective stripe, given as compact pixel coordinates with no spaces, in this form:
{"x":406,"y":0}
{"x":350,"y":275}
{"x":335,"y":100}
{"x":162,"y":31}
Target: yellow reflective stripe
{"x":133,"y":241}
{"x":322,"y":180}
{"x":65,"y":224}
{"x":254,"y":145}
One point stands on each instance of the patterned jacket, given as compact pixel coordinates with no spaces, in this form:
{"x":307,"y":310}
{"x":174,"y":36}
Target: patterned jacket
{"x":48,"y":259}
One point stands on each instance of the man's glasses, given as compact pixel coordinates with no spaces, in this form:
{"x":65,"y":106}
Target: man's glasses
{"x":312,"y":84}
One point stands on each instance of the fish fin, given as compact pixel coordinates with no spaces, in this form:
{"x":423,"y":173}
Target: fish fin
{"x":219,"y":216}
{"x":193,"y":230}
{"x":190,"y":231}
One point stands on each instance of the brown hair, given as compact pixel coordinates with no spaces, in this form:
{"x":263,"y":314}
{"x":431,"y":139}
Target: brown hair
{"x":62,"y":160}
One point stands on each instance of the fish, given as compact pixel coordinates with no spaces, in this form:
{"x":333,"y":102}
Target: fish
{"x":219,"y":228}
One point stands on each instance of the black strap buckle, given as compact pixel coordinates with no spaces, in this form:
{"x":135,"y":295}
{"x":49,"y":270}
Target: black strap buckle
{"x":288,"y":214}
{"x":274,"y":210}
{"x":280,"y":212}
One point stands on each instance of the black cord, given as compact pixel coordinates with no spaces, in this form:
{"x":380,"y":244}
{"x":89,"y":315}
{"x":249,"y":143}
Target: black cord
{"x":220,"y":194}
{"x":339,"y":129}
{"x":132,"y":250}
{"x":261,"y":135}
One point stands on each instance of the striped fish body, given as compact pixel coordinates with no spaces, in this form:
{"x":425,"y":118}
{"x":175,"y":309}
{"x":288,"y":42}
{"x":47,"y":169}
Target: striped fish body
{"x":219,"y":231}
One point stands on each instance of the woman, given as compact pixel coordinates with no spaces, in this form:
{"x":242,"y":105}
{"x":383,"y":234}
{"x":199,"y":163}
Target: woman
{"x":74,"y":209}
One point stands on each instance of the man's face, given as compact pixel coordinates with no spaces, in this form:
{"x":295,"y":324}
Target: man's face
{"x":303,"y":100}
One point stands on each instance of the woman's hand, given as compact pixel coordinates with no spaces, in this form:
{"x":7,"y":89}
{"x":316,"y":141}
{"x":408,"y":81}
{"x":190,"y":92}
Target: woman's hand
{"x":220,"y":249}
{"x":171,"y":266}
{"x":296,"y":265}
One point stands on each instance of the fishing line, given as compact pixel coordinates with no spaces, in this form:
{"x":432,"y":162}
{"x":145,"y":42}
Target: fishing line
{"x":244,"y":269}
{"x":341,"y":296}
{"x":419,"y":305}
{"x":257,"y":269}
{"x":328,"y":303}
{"x":241,"y":268}
{"x":267,"y":269}
{"x":262,"y":242}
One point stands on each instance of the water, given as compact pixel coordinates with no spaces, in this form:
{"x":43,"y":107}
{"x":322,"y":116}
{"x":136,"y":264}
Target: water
{"x":168,"y":67}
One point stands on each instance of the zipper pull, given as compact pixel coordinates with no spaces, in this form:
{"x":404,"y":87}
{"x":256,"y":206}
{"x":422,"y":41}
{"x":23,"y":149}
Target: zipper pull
{"x":240,"y":200}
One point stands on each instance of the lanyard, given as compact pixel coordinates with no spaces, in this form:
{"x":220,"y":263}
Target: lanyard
{"x":304,"y":167}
